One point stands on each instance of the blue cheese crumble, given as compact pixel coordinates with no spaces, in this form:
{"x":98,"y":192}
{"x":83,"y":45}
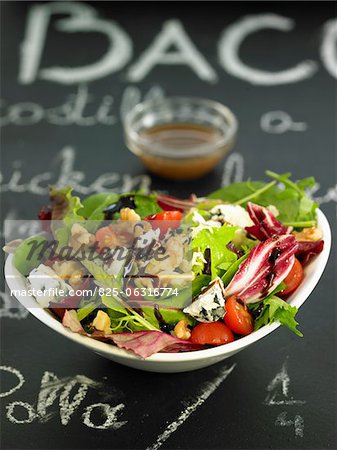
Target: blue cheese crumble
{"x":210,"y":304}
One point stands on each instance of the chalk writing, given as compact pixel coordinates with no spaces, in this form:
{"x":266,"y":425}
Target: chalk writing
{"x":233,"y":170}
{"x":297,"y":422}
{"x":18,"y":375}
{"x":206,"y":390}
{"x":235,"y":34}
{"x":31,"y":414}
{"x":71,"y":393}
{"x":74,"y":110}
{"x":132,"y":96}
{"x":278,"y":122}
{"x":108,"y":412}
{"x":328,"y":47}
{"x":83,"y":18}
{"x":159,"y":52}
{"x":279,"y":387}
{"x":278,"y":395}
{"x":38,"y":184}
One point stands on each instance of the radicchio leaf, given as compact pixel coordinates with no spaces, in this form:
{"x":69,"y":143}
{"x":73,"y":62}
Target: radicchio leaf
{"x":266,"y":266}
{"x":308,"y":249}
{"x":266,"y":226}
{"x":265,"y":223}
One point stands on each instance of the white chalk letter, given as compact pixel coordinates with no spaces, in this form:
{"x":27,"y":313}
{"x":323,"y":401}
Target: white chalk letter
{"x":82,"y":19}
{"x":172,"y":34}
{"x":328,"y":48}
{"x":232,"y":38}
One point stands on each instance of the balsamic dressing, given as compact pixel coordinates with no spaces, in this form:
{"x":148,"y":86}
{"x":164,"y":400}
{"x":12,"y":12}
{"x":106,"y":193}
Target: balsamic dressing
{"x":163,"y":325}
{"x":207,"y":267}
{"x":125,"y":201}
{"x":274,"y":254}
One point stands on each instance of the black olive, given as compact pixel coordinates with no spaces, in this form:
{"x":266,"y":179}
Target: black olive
{"x":125,"y":201}
{"x":166,"y":328}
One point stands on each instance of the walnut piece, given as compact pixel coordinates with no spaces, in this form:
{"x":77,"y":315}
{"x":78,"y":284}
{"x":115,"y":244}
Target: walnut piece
{"x":129,"y":214}
{"x":308,"y":234}
{"x":80,"y":237}
{"x":181,"y":330}
{"x":72,"y":271}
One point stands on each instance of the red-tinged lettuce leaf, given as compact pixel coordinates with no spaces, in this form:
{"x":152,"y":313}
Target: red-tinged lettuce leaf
{"x":170,"y":203}
{"x":308,"y":249}
{"x":265,"y":268}
{"x":265,"y":223}
{"x":146,"y":343}
{"x":64,"y":204}
{"x":142,"y":343}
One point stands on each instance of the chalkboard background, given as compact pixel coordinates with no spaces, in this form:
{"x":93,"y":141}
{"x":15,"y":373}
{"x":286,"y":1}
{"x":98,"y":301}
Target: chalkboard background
{"x":281,"y":391}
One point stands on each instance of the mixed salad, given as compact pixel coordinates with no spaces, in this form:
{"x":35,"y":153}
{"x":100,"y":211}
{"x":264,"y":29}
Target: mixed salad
{"x":228,"y":262}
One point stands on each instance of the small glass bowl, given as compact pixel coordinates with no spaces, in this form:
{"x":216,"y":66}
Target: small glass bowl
{"x":180,"y":138}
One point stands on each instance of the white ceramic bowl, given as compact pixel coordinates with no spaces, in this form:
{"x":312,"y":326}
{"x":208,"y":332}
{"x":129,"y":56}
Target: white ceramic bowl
{"x":175,"y":362}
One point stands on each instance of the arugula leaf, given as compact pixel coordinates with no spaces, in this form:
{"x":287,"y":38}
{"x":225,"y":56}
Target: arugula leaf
{"x":236,"y":192}
{"x":216,"y":240}
{"x":306,"y":207}
{"x":277,"y":310}
{"x":295,"y":207}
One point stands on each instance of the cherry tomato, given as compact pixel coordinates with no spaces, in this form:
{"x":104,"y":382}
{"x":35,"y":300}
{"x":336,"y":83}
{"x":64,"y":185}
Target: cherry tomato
{"x":211,"y":333}
{"x":105,"y":237}
{"x":293,"y":279}
{"x":173,"y":216}
{"x":237,"y":317}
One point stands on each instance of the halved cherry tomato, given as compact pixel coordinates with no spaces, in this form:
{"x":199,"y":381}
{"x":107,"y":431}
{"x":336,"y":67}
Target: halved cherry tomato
{"x":237,"y":317}
{"x":162,"y":220}
{"x":293,"y":279}
{"x":105,"y":237}
{"x":211,"y":333}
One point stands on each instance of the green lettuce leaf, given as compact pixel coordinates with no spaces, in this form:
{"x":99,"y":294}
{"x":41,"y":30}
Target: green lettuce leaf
{"x":94,"y":205}
{"x":216,"y":240}
{"x":232,"y":269}
{"x":198,"y":283}
{"x":29,"y":254}
{"x":277,"y":310}
{"x":146,"y":205}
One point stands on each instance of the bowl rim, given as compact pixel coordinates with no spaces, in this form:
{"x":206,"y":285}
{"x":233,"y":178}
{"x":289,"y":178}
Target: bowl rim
{"x":316,"y":267}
